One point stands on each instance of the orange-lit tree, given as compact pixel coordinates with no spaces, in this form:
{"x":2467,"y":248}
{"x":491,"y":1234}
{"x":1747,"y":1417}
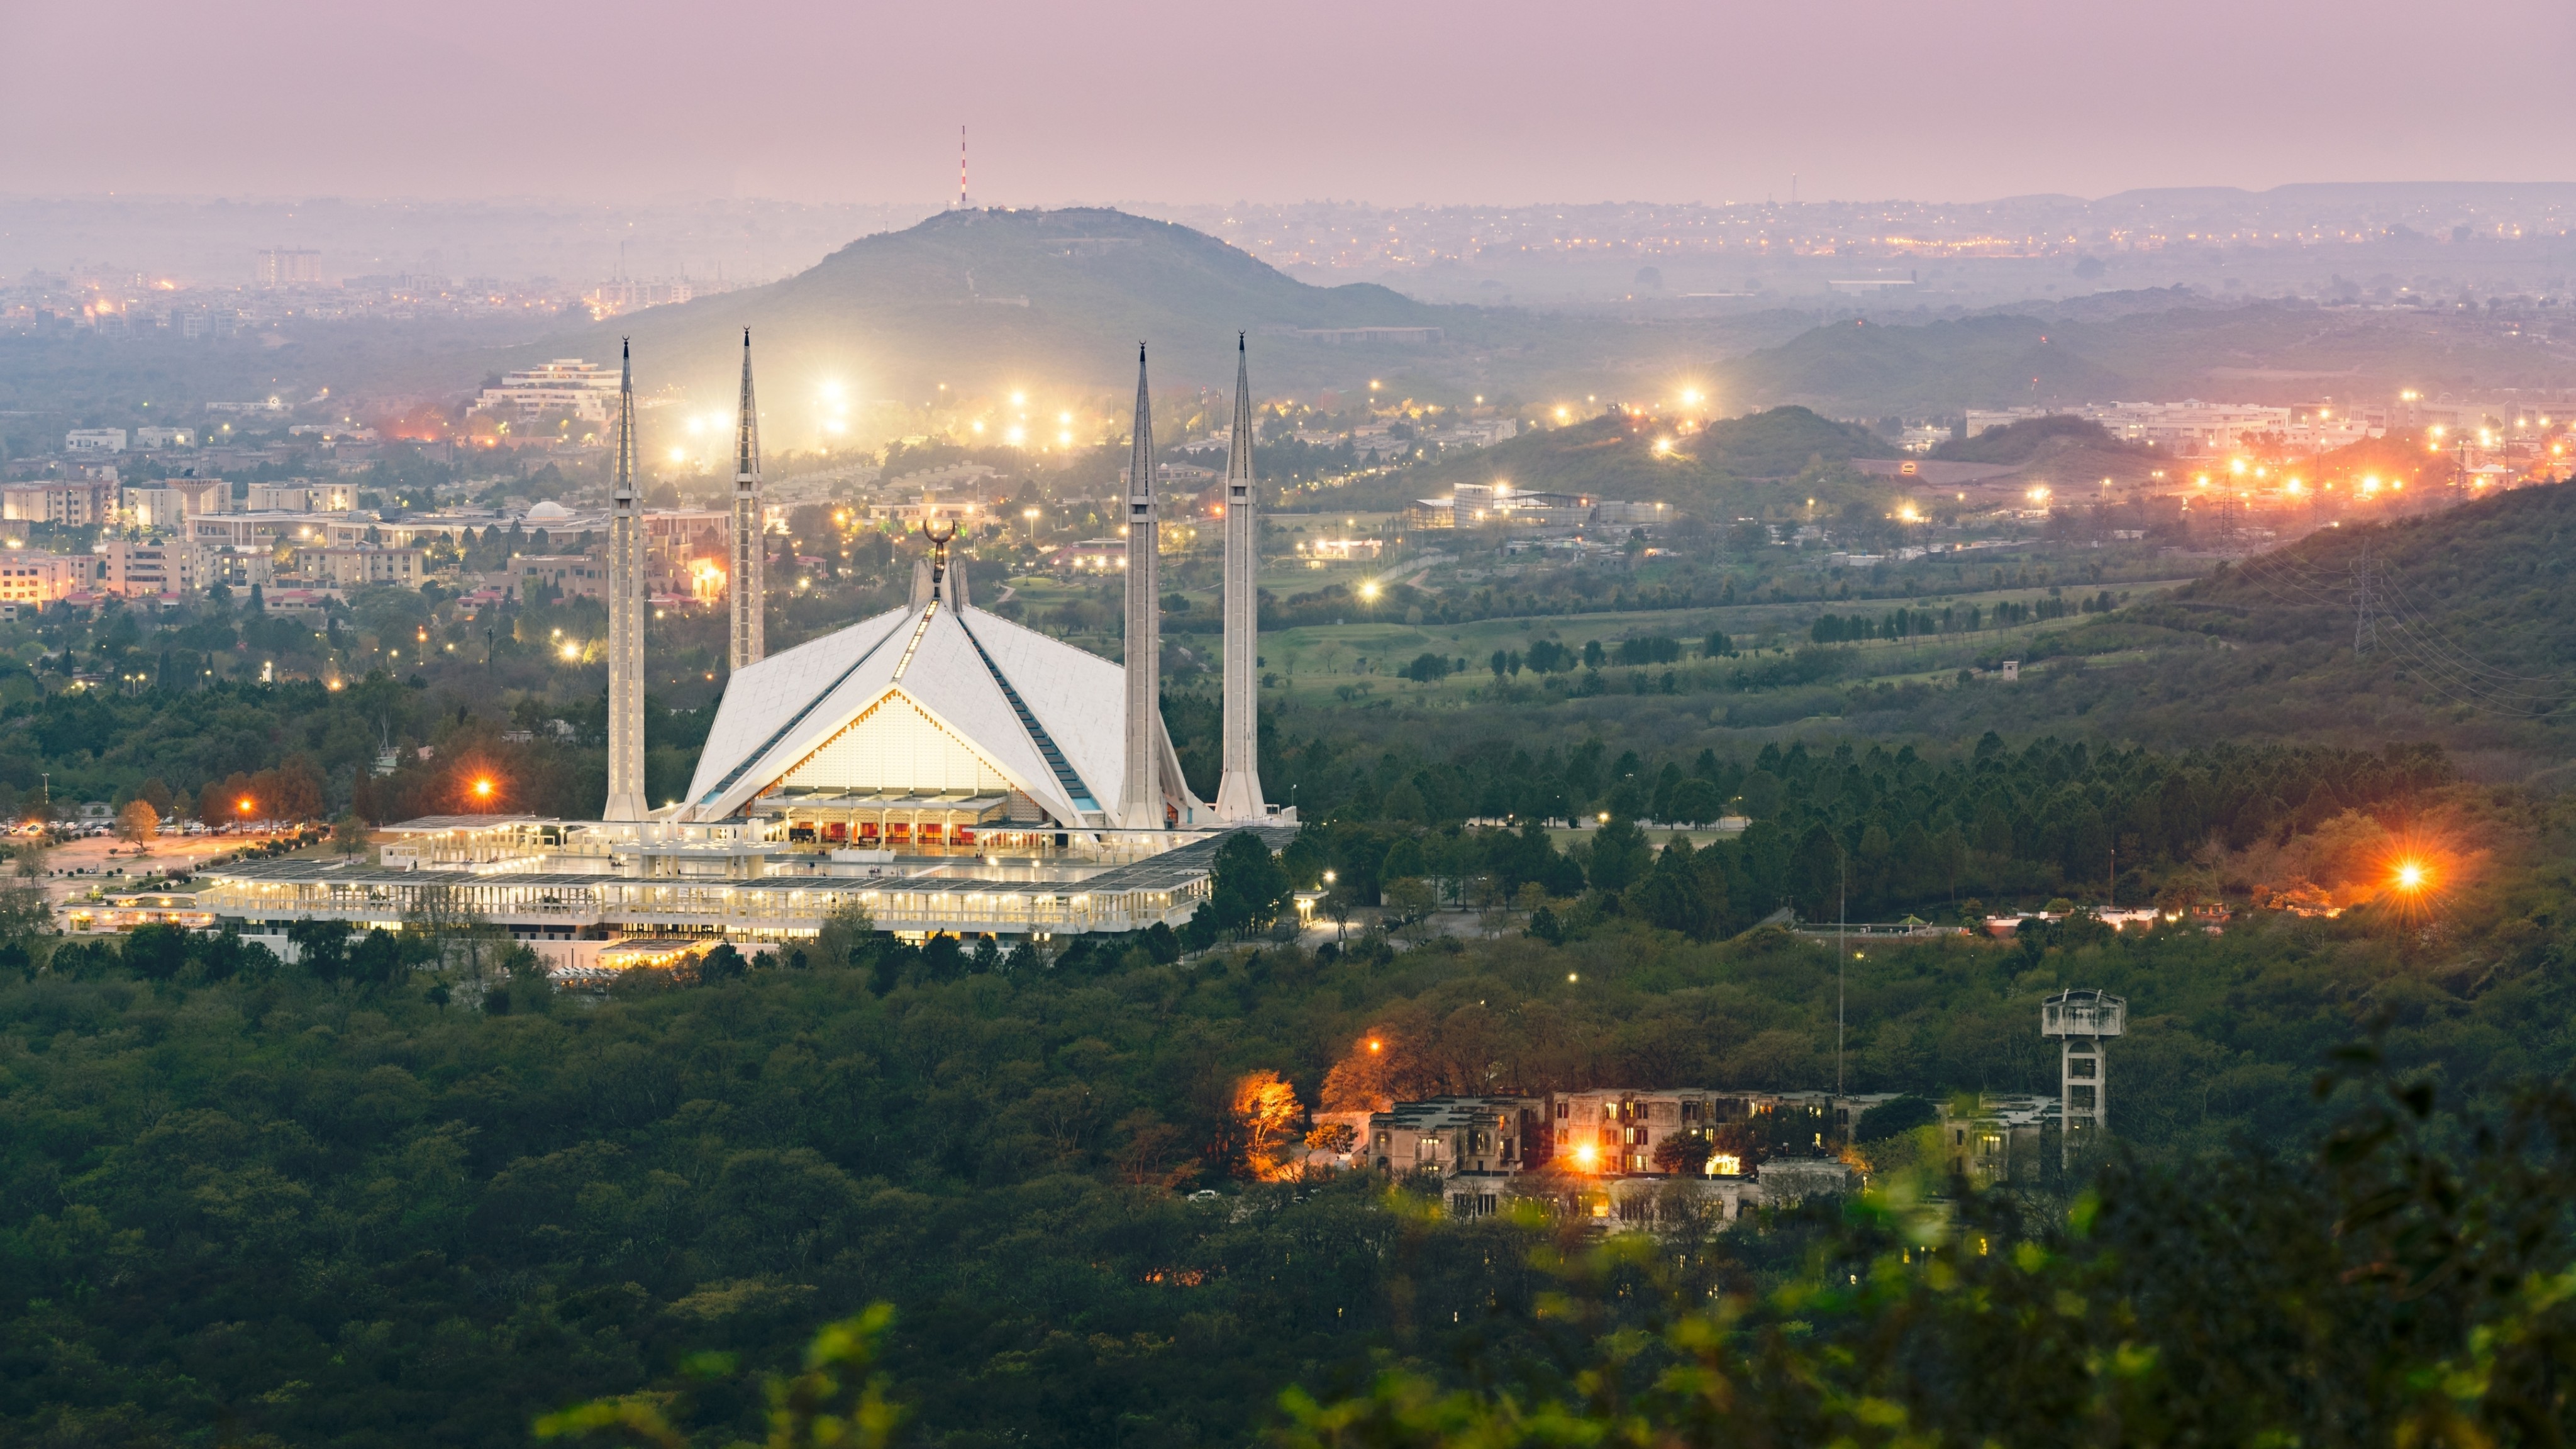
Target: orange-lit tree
{"x":1268,"y":1120}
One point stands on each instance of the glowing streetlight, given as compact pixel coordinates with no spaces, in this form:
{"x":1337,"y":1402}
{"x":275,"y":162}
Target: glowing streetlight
{"x":2411,"y":876}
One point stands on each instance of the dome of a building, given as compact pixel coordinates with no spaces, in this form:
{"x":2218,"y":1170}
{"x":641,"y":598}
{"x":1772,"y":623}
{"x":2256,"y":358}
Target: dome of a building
{"x":938,"y":706}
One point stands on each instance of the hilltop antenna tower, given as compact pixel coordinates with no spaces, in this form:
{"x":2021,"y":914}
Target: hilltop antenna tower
{"x":2081,"y":1021}
{"x":961,"y":168}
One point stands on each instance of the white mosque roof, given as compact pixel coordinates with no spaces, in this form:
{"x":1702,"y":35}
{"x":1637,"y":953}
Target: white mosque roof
{"x":910,"y":692}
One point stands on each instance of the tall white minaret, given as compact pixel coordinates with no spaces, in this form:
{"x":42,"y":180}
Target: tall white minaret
{"x":625,"y":616}
{"x":750,"y":550}
{"x":1140,"y":796}
{"x":1238,"y":793}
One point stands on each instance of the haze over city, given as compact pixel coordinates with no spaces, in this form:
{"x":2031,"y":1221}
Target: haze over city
{"x":1446,"y":103}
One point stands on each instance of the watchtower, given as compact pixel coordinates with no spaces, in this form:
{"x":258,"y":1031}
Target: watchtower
{"x":2081,"y":1021}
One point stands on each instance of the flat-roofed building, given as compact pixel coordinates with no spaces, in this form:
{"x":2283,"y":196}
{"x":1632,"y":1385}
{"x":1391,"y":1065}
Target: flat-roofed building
{"x":570,"y":575}
{"x":568,"y":385}
{"x":133,"y":568}
{"x":37,"y":577}
{"x":357,"y":566}
{"x":75,"y":503}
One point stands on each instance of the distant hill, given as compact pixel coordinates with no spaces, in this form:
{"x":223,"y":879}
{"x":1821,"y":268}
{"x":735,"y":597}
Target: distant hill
{"x":988,"y":300}
{"x":1941,"y":367}
{"x":2057,"y":448}
{"x":2020,"y":442}
{"x":2141,"y":347}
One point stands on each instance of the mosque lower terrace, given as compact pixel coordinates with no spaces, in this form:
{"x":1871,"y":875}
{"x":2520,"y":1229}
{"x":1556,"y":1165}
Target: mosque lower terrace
{"x":942,"y":768}
{"x":555,"y":880}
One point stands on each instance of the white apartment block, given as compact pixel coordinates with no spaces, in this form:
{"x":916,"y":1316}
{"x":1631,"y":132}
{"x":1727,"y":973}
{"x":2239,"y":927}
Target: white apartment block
{"x":154,"y":508}
{"x":72,"y":504}
{"x":585,"y":390}
{"x":94,"y":440}
{"x":165,"y":437}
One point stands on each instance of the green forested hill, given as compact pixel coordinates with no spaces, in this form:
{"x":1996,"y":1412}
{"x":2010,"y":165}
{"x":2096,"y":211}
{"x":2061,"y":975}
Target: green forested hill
{"x":241,"y":1201}
{"x":2471,"y":640}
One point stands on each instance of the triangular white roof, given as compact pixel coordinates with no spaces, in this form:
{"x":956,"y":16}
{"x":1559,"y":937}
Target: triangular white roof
{"x":924,"y":689}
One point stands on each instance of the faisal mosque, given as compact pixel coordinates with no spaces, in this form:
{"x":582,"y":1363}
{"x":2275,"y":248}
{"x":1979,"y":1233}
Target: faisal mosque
{"x":943,"y":768}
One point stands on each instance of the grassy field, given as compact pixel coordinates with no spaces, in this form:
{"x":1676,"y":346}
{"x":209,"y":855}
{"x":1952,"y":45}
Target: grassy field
{"x":1323,"y":659}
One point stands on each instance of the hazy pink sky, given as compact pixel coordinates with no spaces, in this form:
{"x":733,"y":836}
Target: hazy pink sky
{"x":1500,"y":101}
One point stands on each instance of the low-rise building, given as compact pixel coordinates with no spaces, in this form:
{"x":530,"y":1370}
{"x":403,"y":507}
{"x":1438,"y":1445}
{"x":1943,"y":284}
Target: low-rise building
{"x":1481,"y":505}
{"x":681,"y":547}
{"x":1998,"y":1138}
{"x":267,"y":529}
{"x":237,"y":568}
{"x":94,"y":440}
{"x":357,"y":566}
{"x":151,"y":438}
{"x":1622,"y":1158}
{"x":302,"y":496}
{"x":1092,"y":555}
{"x":571,"y":575}
{"x":312,"y":606}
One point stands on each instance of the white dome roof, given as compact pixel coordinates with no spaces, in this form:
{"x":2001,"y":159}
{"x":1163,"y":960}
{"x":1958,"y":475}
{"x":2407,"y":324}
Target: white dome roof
{"x":549,"y":512}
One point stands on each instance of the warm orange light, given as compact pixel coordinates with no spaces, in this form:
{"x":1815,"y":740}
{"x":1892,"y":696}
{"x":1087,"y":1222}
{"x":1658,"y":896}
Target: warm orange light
{"x":2411,"y":876}
{"x":483,"y":789}
{"x":244,"y":805}
{"x":1587,"y":1157}
{"x":1375,"y":1044}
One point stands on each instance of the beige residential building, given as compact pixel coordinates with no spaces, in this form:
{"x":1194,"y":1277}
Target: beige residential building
{"x":682,"y":546}
{"x":356,"y":566}
{"x":301,"y":496}
{"x":137,"y":569}
{"x":34,"y":576}
{"x":573,"y":575}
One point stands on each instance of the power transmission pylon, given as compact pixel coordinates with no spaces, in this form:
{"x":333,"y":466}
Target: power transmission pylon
{"x":2365,"y":630}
